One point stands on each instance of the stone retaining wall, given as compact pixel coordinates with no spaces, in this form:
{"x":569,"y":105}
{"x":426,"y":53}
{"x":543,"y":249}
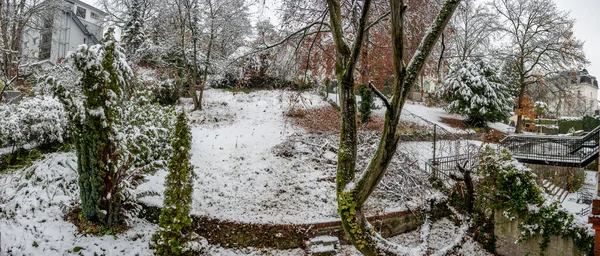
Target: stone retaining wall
{"x":286,"y":236}
{"x":507,"y":232}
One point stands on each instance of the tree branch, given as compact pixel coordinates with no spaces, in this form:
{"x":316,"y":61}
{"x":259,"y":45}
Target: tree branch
{"x":381,"y":96}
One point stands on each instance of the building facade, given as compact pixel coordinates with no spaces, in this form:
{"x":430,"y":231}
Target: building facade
{"x":72,"y":24}
{"x":582,"y":95}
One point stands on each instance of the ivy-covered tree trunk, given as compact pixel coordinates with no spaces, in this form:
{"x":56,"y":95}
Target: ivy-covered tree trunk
{"x":175,"y":221}
{"x":104,"y":76}
{"x":352,"y":193}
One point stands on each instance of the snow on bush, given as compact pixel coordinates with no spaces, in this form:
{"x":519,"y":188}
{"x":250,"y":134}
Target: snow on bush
{"x":109,"y":117}
{"x":475,"y":90}
{"x":37,"y":120}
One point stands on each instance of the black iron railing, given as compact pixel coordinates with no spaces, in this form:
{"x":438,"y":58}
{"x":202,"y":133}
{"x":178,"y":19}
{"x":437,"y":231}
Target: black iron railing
{"x":443,"y":168}
{"x":571,"y":151}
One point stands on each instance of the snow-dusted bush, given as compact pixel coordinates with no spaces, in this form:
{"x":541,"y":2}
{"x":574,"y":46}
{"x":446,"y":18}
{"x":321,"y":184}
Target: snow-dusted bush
{"x":175,"y":236}
{"x":508,"y":186}
{"x":118,"y":137}
{"x":475,"y":90}
{"x":37,"y":120}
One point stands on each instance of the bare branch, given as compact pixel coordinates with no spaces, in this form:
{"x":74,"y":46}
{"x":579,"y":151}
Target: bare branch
{"x":381,"y":96}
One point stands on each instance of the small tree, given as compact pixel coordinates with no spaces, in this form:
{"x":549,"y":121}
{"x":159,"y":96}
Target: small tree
{"x":174,"y":236}
{"x":476,"y":91}
{"x":133,"y":32}
{"x":366,"y":103}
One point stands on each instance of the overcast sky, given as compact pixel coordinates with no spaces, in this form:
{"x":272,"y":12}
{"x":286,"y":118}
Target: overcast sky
{"x":587,"y":28}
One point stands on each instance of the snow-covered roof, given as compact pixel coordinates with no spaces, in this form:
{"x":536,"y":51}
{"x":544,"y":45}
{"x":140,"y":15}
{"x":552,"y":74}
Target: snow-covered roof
{"x":90,"y":7}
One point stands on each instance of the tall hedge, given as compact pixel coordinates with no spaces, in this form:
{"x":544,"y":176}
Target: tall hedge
{"x":590,"y":123}
{"x":565,"y":124}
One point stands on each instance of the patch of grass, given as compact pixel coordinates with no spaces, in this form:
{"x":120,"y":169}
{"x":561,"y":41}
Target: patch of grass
{"x":21,"y":158}
{"x":75,"y":216}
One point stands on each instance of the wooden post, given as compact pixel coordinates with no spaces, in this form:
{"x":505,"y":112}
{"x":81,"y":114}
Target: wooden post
{"x":594,"y":218}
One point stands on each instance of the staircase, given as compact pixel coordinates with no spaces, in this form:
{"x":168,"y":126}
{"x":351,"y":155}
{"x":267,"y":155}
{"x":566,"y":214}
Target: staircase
{"x":557,"y":193}
{"x":567,"y":151}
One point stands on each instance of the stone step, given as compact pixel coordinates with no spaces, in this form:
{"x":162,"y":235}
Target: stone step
{"x":323,"y":246}
{"x":563,"y":195}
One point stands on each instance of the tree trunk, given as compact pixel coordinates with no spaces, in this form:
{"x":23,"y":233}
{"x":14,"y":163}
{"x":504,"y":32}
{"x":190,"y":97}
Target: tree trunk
{"x":519,"y":128}
{"x":351,"y":193}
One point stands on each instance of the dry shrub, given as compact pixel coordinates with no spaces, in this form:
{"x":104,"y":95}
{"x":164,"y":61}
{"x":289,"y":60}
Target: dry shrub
{"x":327,"y":120}
{"x":456,"y":123}
{"x":296,"y":112}
{"x":493,"y":136}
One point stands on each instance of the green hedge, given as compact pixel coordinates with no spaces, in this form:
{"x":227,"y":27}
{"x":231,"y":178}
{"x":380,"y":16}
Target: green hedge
{"x":564,"y":125}
{"x":545,"y":121}
{"x":590,"y":123}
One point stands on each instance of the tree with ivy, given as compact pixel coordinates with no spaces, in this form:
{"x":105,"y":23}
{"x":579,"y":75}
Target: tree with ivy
{"x":366,"y":103}
{"x":133,"y":31}
{"x":175,"y":236}
{"x":352,"y":192}
{"x":508,"y":186}
{"x":475,"y":90}
{"x":105,"y":74}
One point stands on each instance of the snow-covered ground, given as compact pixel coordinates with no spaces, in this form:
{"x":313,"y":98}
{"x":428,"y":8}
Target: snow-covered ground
{"x":34,"y":200}
{"x":427,"y":116}
{"x":255,"y":165}
{"x":570,"y":203}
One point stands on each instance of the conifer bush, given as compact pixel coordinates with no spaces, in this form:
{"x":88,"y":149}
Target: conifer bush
{"x":175,"y":236}
{"x":474,"y":89}
{"x":119,"y":137}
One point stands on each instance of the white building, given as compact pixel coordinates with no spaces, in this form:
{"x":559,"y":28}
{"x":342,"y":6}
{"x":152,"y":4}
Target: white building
{"x":73,"y":23}
{"x":578,"y":96}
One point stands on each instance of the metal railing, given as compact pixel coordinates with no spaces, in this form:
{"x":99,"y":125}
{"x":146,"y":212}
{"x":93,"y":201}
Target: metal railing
{"x":569,"y":151}
{"x":442,"y":168}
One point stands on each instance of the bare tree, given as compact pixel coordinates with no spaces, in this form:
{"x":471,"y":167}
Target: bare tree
{"x":15,"y":17}
{"x":473,"y":30}
{"x":352,"y":192}
{"x":539,"y":41}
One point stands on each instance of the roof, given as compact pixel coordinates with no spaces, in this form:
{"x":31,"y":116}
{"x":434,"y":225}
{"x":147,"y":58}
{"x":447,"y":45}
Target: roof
{"x":78,"y":2}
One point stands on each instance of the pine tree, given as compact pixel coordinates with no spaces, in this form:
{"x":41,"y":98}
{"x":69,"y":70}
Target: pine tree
{"x":475,"y":90}
{"x":104,"y":76}
{"x":174,"y":236}
{"x":133,"y":32}
{"x":366,"y":103}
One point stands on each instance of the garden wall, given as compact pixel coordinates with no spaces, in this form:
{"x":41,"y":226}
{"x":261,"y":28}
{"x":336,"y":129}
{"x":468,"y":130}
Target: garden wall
{"x":233,"y":234}
{"x":507,"y":232}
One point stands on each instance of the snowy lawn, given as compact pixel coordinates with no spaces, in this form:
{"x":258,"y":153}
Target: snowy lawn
{"x":34,"y":200}
{"x":427,"y":116}
{"x":254,"y":165}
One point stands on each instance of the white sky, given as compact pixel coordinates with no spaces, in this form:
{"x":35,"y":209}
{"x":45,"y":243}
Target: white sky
{"x":587,"y":28}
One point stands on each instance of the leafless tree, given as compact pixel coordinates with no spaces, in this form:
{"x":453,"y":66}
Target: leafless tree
{"x":352,"y":191}
{"x":15,"y":17}
{"x":473,"y":30}
{"x":539,"y":41}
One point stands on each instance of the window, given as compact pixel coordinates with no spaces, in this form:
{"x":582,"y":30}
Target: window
{"x":80,"y":12}
{"x":35,"y":40}
{"x":84,"y":40}
{"x":94,"y":15}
